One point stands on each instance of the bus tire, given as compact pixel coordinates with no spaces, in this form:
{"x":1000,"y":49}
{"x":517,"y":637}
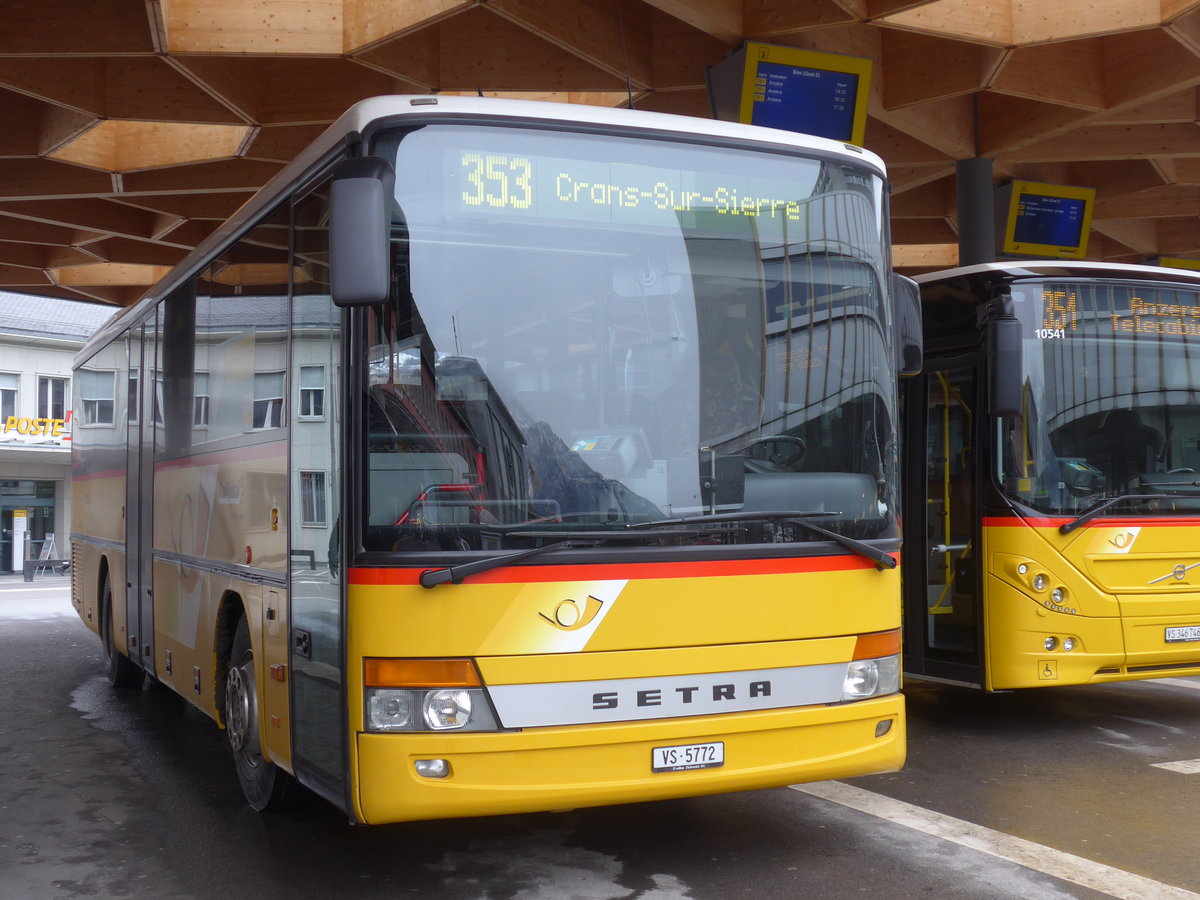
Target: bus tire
{"x":120,"y":670}
{"x":266,"y":786}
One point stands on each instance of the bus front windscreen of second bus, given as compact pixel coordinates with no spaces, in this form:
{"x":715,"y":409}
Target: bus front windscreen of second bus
{"x":1110,"y":404}
{"x":591,"y":331}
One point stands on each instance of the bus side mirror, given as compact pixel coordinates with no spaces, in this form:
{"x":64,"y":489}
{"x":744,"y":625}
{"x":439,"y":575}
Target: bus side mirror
{"x":910,"y":345}
{"x":360,"y":206}
{"x":1004,"y":365}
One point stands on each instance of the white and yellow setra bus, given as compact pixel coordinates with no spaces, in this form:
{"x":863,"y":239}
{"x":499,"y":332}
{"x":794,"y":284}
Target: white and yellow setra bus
{"x":505,"y":456}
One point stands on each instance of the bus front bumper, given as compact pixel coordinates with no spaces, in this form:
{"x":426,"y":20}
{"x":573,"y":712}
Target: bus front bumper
{"x":545,"y":769}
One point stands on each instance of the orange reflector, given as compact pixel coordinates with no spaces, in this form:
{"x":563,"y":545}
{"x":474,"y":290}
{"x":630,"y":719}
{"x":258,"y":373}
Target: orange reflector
{"x":420,"y":673}
{"x":880,"y":643}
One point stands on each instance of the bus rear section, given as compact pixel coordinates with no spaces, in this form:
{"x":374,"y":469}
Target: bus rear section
{"x":1057,"y":500}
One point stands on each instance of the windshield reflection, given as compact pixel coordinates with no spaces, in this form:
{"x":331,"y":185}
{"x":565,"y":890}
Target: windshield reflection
{"x":1111,"y":398}
{"x":582,"y":373}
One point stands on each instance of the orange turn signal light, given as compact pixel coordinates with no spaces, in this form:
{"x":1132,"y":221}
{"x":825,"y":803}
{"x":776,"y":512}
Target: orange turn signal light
{"x":877,"y":644}
{"x":430,"y":673}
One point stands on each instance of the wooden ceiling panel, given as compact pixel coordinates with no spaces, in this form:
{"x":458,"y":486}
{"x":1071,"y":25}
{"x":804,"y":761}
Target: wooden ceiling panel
{"x":1089,"y":92}
{"x":99,"y":215}
{"x":230,"y":27}
{"x":917,"y":68}
{"x":281,"y":143}
{"x":1069,"y":74}
{"x":601,"y":35}
{"x":38,"y":28}
{"x":23,"y":231}
{"x":215,"y":207}
{"x":681,"y":53}
{"x":484,"y":50}
{"x":227,"y":175}
{"x":771,"y":21}
{"x":1163,"y":201}
{"x":975,"y":21}
{"x":723,"y":19}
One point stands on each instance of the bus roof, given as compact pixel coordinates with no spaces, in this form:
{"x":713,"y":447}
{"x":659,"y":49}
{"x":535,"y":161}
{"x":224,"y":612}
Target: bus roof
{"x":374,"y":112}
{"x":987,"y":273}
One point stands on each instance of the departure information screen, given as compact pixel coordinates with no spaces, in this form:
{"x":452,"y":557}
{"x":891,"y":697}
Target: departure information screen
{"x":1057,"y":221}
{"x":797,"y":98}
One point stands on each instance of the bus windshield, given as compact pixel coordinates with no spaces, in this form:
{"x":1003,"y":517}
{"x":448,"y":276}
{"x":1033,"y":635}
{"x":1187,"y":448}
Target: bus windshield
{"x":591,"y":331}
{"x":1111,"y":397}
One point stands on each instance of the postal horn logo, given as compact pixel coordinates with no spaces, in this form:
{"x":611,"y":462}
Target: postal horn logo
{"x":568,"y":615}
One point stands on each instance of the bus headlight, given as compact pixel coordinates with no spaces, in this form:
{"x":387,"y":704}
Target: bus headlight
{"x":389,"y":710}
{"x":414,"y":695}
{"x":394,"y":709}
{"x":447,"y":709}
{"x":871,"y":678}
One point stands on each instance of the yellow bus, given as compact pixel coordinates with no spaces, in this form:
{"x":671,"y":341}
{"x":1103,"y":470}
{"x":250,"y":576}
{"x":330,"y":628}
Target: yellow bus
{"x":1052,"y":521}
{"x":504,"y":456}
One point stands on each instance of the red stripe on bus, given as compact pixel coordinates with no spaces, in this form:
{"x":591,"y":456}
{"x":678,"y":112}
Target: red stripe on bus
{"x":1158,"y":521}
{"x":623,"y":572}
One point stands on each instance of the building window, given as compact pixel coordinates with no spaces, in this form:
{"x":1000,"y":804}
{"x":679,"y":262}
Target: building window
{"x":52,"y":397}
{"x":200,"y":400}
{"x":268,"y":400}
{"x":96,"y":396}
{"x":312,"y":392}
{"x":8,"y":394}
{"x":132,"y":399}
{"x":312,"y":498}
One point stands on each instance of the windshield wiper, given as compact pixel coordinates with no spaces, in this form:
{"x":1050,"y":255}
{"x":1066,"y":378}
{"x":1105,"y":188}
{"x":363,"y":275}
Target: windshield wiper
{"x":1092,"y":511}
{"x":881,"y":559}
{"x":433,"y":577}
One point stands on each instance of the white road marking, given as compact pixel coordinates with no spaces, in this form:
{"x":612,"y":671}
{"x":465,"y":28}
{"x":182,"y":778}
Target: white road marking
{"x":1178,"y":682}
{"x":1056,"y":863}
{"x":1186,"y":766}
{"x":25,"y":590}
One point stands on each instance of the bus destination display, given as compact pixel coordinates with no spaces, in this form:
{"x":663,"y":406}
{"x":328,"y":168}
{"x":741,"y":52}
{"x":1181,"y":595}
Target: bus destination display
{"x":620,"y":193}
{"x":1063,"y":309}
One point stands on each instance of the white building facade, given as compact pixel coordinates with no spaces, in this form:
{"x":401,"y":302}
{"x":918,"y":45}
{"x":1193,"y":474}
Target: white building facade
{"x":39,"y":338}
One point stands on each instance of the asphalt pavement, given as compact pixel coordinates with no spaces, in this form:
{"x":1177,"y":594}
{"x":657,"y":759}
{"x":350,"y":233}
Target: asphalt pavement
{"x":1070,"y":792}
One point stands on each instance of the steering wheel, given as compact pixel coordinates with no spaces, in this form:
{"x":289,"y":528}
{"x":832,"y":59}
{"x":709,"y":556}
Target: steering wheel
{"x":1181,"y":470}
{"x":781,"y":460}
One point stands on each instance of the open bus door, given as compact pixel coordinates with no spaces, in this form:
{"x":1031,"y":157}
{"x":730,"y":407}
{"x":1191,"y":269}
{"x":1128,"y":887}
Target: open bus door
{"x":943,"y":637}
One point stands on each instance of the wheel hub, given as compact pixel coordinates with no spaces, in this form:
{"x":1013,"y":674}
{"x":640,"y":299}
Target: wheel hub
{"x":239,"y":705}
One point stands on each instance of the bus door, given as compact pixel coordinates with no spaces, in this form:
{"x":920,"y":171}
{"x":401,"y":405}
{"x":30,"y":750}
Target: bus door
{"x":139,"y":499}
{"x":942,"y":586}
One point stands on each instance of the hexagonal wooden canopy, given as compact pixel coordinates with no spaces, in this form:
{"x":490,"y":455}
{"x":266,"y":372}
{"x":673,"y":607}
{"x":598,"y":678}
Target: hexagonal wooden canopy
{"x":129,"y":129}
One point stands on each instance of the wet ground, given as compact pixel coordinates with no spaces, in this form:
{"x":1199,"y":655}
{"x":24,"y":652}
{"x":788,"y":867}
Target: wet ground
{"x":1057,"y":793}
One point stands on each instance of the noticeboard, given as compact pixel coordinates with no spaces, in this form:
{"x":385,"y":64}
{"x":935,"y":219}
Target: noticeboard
{"x":806,"y":91}
{"x":1045,"y":220}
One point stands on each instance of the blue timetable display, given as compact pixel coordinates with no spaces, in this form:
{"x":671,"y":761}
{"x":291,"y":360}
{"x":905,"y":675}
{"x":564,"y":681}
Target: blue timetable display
{"x":1046,"y":220}
{"x":805,"y":91}
{"x":813,"y":101}
{"x":1049,"y":220}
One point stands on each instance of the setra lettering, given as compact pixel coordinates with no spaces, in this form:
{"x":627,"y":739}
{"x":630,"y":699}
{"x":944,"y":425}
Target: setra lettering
{"x":686,"y":694}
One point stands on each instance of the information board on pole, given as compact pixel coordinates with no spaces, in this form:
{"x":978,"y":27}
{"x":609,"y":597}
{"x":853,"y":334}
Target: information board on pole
{"x":1044,"y":220}
{"x":806,"y":91}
